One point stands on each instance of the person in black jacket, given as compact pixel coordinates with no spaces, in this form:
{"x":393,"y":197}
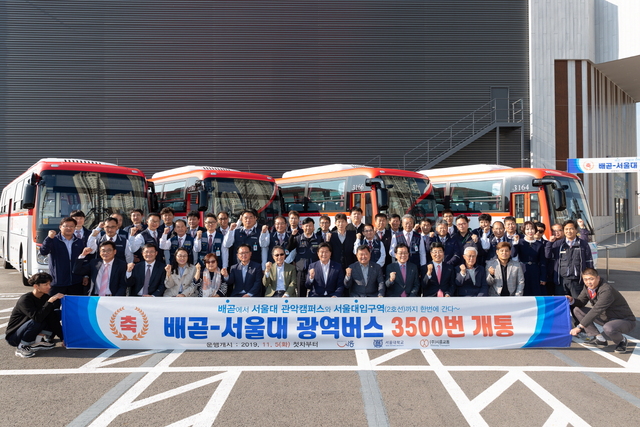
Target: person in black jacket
{"x":34,"y":315}
{"x":471,"y":278}
{"x":609,"y":309}
{"x":58,"y":246}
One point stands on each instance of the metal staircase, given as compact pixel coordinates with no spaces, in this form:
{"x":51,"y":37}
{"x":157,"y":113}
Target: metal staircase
{"x":494,"y":114}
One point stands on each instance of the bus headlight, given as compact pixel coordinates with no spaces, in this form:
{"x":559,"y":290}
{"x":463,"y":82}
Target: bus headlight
{"x":43,"y":259}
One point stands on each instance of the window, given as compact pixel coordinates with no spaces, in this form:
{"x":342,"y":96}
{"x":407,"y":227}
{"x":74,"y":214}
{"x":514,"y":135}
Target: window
{"x":293,"y":196}
{"x":174,"y":190}
{"x":327,"y":196}
{"x":476,"y":196}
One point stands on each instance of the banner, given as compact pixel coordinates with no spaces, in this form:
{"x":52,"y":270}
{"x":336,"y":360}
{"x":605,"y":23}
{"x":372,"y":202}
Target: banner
{"x":603,"y":165}
{"x":315,"y":323}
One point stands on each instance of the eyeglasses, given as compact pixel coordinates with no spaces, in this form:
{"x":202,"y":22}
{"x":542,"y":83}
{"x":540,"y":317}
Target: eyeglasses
{"x":244,"y":253}
{"x":212,"y":261}
{"x":278,"y":255}
{"x":209,"y":222}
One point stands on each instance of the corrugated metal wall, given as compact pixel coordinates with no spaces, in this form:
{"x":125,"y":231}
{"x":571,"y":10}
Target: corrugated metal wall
{"x":251,"y":85}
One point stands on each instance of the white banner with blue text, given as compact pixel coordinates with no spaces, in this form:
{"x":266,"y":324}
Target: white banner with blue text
{"x":315,"y":323}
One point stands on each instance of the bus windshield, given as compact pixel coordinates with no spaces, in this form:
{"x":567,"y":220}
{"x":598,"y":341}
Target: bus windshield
{"x":577,"y":206}
{"x":97,"y":194}
{"x":407,"y":196}
{"x":235,"y":195}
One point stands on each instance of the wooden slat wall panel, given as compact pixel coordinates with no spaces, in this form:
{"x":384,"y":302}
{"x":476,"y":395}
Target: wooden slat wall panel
{"x":251,"y":85}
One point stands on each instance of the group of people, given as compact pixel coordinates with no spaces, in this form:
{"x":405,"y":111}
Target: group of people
{"x":391,"y":257}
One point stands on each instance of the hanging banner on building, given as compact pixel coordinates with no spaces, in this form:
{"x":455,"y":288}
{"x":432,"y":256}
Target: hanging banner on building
{"x":604,"y":165}
{"x":315,"y":323}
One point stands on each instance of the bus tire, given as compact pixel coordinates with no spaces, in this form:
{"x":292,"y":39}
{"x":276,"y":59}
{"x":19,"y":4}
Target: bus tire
{"x":5,"y":264}
{"x":25,"y":281}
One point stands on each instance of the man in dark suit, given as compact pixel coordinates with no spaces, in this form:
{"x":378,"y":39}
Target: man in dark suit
{"x":342,"y":241}
{"x":58,"y":246}
{"x":108,"y":274}
{"x":384,"y":234}
{"x":325,"y":277}
{"x":402,"y":276}
{"x":245,"y":277}
{"x":147,"y":277}
{"x":440,"y":276}
{"x":450,"y":244}
{"x":364,"y":278}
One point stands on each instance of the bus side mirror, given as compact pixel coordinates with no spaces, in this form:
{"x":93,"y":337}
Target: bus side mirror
{"x":382,"y":194}
{"x":559,"y":199}
{"x":152,"y":197}
{"x":29,"y":196}
{"x":202,"y":200}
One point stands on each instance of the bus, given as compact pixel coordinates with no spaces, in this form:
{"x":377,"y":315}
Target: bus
{"x":49,"y":191}
{"x":539,"y":195}
{"x":215,"y":189}
{"x":338,"y":188}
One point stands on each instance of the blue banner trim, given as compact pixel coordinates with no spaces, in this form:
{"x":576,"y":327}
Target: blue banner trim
{"x":80,"y":324}
{"x":553,"y":324}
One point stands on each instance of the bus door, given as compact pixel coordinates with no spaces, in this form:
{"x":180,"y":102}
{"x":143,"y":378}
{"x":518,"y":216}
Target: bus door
{"x":363,"y":201}
{"x":525,"y":207}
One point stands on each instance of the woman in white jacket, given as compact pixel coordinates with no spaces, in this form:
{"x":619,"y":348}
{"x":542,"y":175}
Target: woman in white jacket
{"x":180,"y":274}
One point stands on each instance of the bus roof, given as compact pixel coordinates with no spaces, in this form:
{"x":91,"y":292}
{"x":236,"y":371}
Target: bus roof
{"x":456,"y":170}
{"x":338,"y":170}
{"x":54,"y":163}
{"x":202,"y":172}
{"x":505,"y":171}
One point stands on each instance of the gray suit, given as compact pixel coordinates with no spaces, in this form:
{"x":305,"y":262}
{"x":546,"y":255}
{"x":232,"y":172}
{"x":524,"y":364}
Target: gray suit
{"x":515,"y":278}
{"x":373,"y":287}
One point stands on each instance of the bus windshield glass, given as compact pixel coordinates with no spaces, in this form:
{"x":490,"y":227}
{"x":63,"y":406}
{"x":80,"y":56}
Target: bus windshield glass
{"x":577,"y":206}
{"x":97,"y":194}
{"x":408,"y":196}
{"x":235,"y":195}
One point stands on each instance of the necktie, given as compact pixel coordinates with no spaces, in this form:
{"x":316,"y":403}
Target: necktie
{"x":438,"y":272}
{"x":407,"y":237}
{"x":147,"y":278}
{"x":380,"y":234}
{"x":370,"y":245}
{"x":210,"y":243}
{"x":193,"y":233}
{"x":403,"y":270}
{"x":280,"y":239}
{"x":78,"y":235}
{"x":104,"y":281}
{"x":180,"y":241}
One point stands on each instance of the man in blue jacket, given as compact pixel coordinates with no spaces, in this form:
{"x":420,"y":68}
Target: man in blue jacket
{"x":63,"y":250}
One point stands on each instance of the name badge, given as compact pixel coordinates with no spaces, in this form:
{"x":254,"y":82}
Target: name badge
{"x":286,"y":252}
{"x":218,"y":253}
{"x":415,"y":248}
{"x":255,"y":247}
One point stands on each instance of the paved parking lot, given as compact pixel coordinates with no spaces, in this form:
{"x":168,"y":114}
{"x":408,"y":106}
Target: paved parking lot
{"x":556,"y":387}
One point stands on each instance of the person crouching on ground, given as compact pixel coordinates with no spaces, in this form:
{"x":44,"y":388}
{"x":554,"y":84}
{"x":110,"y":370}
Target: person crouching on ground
{"x":609,"y":309}
{"x":34,"y":315}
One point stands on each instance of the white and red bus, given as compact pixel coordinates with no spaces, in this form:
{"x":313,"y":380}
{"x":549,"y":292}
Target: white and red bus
{"x":338,"y":188}
{"x":49,"y":191}
{"x":542,"y":195}
{"x":214,"y":189}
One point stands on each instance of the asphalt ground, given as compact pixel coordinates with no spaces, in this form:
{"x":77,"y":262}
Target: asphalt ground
{"x":534,"y":387}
